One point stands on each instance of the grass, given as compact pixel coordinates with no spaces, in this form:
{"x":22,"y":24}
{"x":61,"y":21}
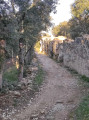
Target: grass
{"x":39,"y":77}
{"x":38,"y":80}
{"x":84,"y":78}
{"x":82,"y":112}
{"x":15,"y":102}
{"x":81,"y":77}
{"x":10,"y":79}
{"x":72,"y":71}
{"x":11,"y":75}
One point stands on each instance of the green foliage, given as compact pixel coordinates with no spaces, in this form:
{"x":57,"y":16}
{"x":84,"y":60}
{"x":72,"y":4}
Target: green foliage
{"x":3,"y":91}
{"x":82,"y":112}
{"x":74,"y":72}
{"x":84,"y":78}
{"x":80,"y":21}
{"x":11,"y":75}
{"x":56,"y":30}
{"x":1,"y":61}
{"x":75,"y":28}
{"x":31,"y":18}
{"x":79,"y":24}
{"x":61,"y":29}
{"x":39,"y":77}
{"x":15,"y":102}
{"x":21,"y":22}
{"x":80,"y":7}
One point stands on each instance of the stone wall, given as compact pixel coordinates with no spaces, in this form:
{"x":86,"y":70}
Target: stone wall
{"x":76,"y":55}
{"x":73,"y":53}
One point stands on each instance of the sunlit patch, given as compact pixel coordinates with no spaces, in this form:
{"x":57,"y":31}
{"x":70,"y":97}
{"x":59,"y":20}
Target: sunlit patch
{"x":38,"y":48}
{"x":17,"y":62}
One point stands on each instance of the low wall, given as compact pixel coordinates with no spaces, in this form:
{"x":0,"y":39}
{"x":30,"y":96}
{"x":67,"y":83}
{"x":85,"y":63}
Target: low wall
{"x":73,"y":53}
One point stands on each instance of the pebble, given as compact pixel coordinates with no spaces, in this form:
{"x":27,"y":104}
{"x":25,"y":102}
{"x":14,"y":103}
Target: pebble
{"x":42,"y":111}
{"x":16,"y":93}
{"x":34,"y":116}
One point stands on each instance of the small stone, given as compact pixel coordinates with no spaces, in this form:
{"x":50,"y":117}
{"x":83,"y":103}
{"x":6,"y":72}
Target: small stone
{"x":34,"y":116}
{"x":35,"y":119}
{"x":42,"y":111}
{"x":11,"y":92}
{"x":16,"y":93}
{"x":19,"y":85}
{"x":34,"y":68}
{"x":42,"y":117}
{"x":29,"y":82}
{"x":31,"y":98}
{"x":30,"y":88}
{"x":28,"y":71}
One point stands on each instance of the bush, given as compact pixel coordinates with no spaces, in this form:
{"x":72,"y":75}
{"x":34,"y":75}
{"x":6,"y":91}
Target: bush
{"x":10,"y":75}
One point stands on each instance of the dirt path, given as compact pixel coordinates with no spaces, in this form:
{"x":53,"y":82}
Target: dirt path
{"x":58,"y":96}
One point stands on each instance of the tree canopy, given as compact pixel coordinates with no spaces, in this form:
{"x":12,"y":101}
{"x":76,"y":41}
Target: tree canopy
{"x":61,"y":29}
{"x":78,"y":24}
{"x":24,"y":18}
{"x":80,"y":8}
{"x":21,"y":22}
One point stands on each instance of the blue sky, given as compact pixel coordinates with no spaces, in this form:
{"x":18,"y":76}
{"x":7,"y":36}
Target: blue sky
{"x":63,"y":11}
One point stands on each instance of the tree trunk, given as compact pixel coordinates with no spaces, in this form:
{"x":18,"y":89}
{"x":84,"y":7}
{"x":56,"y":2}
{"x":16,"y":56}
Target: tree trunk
{"x":20,"y":72}
{"x":0,"y":80}
{"x":1,"y":73}
{"x":28,"y":55}
{"x":21,"y":63}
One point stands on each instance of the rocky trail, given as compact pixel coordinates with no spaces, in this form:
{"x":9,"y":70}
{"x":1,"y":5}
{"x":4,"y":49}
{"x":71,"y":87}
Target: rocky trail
{"x":58,"y":95}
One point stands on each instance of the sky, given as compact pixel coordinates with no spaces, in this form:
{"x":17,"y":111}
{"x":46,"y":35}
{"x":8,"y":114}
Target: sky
{"x":63,"y":11}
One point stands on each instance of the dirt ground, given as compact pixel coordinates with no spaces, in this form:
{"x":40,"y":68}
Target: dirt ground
{"x":58,"y":95}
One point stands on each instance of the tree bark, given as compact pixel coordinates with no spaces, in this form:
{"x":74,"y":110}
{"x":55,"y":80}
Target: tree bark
{"x":28,"y":55}
{"x":21,"y":63}
{"x":1,"y":80}
{"x":2,"y":70}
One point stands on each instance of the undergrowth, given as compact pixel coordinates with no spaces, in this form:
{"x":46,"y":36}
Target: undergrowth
{"x":10,"y":78}
{"x":81,"y":77}
{"x":84,"y":78}
{"x":82,"y":111}
{"x":11,"y":75}
{"x":38,"y":80}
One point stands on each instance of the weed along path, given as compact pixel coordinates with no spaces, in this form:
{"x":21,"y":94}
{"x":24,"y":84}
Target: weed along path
{"x":58,"y":95}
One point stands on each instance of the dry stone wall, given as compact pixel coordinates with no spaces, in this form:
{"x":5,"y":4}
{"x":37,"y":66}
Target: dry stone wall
{"x":73,"y":53}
